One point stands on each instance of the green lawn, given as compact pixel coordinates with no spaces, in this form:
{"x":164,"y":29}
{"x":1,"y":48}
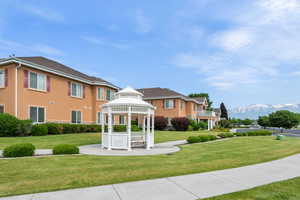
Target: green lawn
{"x":285,"y":190}
{"x":40,"y":174}
{"x":49,"y":141}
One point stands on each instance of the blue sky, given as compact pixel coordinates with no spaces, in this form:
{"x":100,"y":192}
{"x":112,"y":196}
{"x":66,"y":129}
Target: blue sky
{"x":239,"y":51}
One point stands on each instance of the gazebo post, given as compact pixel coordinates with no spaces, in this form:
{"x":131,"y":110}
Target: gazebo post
{"x":152,"y":135}
{"x":129,"y":128}
{"x":102,"y":129}
{"x":109,"y":129}
{"x":148,"y":130}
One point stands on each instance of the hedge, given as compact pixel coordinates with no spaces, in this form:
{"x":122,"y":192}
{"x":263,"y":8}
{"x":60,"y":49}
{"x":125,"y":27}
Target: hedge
{"x":39,"y":130}
{"x":19,"y":150}
{"x":65,"y":149}
{"x":201,"y":138}
{"x":180,"y":123}
{"x":160,"y":123}
{"x":9,"y":125}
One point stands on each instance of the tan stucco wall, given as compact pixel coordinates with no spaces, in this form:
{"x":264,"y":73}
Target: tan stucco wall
{"x":57,"y":103}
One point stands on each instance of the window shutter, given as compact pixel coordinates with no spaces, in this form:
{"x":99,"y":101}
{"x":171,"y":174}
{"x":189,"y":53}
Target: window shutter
{"x":83,"y":91}
{"x":174,"y":102}
{"x":6,"y":77}
{"x":48,"y":84}
{"x":69,"y":89}
{"x":25,"y":78}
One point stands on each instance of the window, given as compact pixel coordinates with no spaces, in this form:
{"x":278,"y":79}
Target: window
{"x":100,"y":94}
{"x":182,"y":105}
{"x":2,"y":78}
{"x":169,"y":103}
{"x":122,"y":120}
{"x":37,"y":81}
{"x":1,"y":108}
{"x":37,"y":114}
{"x":109,"y":94}
{"x":76,"y":90}
{"x":76,"y":117}
{"x":99,"y":118}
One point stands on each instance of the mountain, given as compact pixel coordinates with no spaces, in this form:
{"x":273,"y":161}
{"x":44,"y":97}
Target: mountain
{"x":255,"y":110}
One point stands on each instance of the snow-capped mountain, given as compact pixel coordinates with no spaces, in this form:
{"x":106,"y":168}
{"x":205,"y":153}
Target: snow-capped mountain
{"x":256,"y":110}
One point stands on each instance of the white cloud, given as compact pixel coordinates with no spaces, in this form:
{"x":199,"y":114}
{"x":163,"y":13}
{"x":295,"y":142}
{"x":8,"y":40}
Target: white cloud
{"x":13,"y":47}
{"x":44,"y":13}
{"x":233,"y":40}
{"x":257,"y":47}
{"x":143,"y":23}
{"x":105,"y":42}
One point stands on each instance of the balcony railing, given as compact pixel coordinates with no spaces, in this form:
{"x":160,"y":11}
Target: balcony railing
{"x":206,"y":113}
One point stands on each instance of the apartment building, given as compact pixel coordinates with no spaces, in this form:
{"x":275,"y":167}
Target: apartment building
{"x":44,"y":90}
{"x":172,"y":104}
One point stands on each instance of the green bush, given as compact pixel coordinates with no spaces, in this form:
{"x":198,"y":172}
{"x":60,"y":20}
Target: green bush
{"x":94,"y":128}
{"x":225,"y":135}
{"x":190,"y":128}
{"x":9,"y":125}
{"x":204,"y":138}
{"x":212,"y":137}
{"x":241,"y":134}
{"x":193,"y":139}
{"x":19,"y":150}
{"x":39,"y":130}
{"x":65,"y":149}
{"x":55,"y":129}
{"x":25,"y":127}
{"x":120,"y":128}
{"x":259,"y":133}
{"x":135,"y":128}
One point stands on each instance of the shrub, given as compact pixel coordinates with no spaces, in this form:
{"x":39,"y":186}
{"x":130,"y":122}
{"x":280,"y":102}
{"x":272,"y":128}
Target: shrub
{"x":193,"y":139}
{"x":39,"y":130}
{"x":160,"y":123}
{"x":25,"y":127}
{"x":55,"y":129}
{"x":225,"y":124}
{"x":204,"y":138}
{"x":194,"y":125}
{"x":180,"y":123}
{"x":190,"y":128}
{"x":225,"y":135}
{"x":65,"y":149}
{"x":120,"y":128}
{"x":9,"y":125}
{"x":135,"y":128}
{"x":212,"y":137}
{"x":94,"y":128}
{"x":19,"y":150}
{"x":241,"y":134}
{"x":259,"y":133}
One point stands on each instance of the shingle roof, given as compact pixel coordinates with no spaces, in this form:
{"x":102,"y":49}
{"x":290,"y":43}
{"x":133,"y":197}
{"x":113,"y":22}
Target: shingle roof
{"x":56,"y":66}
{"x":200,"y":99}
{"x":160,"y":93}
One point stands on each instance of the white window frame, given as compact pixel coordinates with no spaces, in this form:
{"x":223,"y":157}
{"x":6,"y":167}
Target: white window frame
{"x":124,"y":121}
{"x":99,"y":118}
{"x":37,"y":117}
{"x":167,"y":105}
{"x":100,"y":97}
{"x":79,"y":90}
{"x":182,"y":105}
{"x":37,"y":81}
{"x":81,"y":117}
{"x":2,"y":82}
{"x":2,"y":105}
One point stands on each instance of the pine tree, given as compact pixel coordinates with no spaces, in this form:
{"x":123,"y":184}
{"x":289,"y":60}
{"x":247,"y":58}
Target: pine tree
{"x":224,"y":113}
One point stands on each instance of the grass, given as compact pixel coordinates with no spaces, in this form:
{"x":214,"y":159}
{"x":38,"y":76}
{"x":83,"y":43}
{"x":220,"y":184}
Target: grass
{"x":49,"y":141}
{"x":284,"y":190}
{"x":41,"y":174}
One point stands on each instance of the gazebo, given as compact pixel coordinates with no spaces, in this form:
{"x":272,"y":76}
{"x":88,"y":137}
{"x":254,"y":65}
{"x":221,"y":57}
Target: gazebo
{"x":129,"y":103}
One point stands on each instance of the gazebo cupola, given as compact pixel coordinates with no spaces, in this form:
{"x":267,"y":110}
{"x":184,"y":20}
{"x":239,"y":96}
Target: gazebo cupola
{"x":129,"y":103}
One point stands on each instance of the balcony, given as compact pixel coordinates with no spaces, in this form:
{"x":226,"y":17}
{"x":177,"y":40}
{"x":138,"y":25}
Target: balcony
{"x":205,"y":113}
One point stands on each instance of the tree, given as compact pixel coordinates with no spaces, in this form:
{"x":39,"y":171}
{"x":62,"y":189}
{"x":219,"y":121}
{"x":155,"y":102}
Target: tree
{"x":206,"y":95}
{"x":263,"y":121}
{"x":247,"y":121}
{"x":224,"y":113}
{"x":283,"y":119}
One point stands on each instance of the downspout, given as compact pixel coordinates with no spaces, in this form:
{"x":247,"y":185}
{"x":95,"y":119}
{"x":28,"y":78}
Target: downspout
{"x":16,"y":90}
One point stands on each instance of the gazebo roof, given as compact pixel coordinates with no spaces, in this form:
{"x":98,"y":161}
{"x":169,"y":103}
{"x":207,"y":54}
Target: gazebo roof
{"x":128,"y":97}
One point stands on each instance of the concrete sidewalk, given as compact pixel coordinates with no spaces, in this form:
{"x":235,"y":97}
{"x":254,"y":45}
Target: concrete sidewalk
{"x":188,"y":187}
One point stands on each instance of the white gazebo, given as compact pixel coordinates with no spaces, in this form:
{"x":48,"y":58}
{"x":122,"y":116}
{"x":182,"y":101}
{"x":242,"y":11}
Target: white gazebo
{"x":129,"y":103}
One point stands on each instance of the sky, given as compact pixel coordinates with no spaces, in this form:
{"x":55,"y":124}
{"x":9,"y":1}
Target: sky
{"x":241,"y":52}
